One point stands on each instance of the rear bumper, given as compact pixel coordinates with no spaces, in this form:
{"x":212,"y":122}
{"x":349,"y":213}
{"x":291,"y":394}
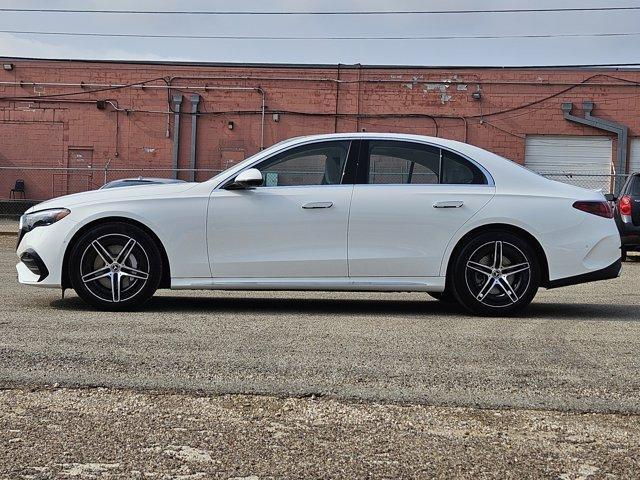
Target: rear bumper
{"x":607,"y":273}
{"x":629,"y":233}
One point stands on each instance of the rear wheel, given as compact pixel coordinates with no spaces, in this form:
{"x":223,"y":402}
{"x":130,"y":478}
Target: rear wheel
{"x":115,"y":266}
{"x":496,"y":273}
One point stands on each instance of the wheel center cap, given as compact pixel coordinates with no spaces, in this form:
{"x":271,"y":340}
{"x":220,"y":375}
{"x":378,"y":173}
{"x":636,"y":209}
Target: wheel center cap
{"x":115,"y":267}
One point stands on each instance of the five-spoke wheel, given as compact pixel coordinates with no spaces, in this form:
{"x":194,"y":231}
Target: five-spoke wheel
{"x":495,"y":273}
{"x":115,"y":266}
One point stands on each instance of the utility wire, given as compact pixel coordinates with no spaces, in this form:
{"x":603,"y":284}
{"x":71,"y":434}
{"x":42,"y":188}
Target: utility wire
{"x":270,"y":37}
{"x":357,"y":12}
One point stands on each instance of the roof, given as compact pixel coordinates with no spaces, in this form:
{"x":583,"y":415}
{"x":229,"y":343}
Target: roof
{"x":333,"y":66}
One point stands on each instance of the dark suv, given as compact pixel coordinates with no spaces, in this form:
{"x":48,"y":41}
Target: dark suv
{"x":627,"y":214}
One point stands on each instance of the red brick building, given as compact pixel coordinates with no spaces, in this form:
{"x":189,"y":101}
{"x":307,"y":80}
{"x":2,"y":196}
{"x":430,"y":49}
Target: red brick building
{"x":87,"y":115}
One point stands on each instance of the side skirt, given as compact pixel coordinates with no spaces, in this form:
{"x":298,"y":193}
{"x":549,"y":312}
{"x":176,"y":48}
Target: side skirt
{"x":361,"y":284}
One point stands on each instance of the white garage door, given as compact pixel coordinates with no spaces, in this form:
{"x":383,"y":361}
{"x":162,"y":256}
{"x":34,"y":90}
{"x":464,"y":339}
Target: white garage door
{"x":634,"y":155}
{"x":582,"y":161}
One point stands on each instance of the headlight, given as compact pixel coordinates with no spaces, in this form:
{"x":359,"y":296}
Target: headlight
{"x":29,"y":221}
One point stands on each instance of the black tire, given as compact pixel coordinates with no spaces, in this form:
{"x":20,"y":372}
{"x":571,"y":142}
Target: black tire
{"x":106,"y":277}
{"x":623,"y":255}
{"x":483,"y":286}
{"x":445,"y":297}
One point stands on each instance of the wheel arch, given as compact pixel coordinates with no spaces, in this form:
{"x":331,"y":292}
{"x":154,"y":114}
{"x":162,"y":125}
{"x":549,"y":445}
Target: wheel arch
{"x":165,"y":281}
{"x":504,"y":227}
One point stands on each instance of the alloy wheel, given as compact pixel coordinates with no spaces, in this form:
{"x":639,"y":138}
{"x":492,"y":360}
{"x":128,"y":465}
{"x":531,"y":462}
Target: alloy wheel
{"x":114,"y":268}
{"x":498,"y":274}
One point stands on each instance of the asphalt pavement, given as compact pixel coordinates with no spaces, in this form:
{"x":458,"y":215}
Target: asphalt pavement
{"x":574,"y":349}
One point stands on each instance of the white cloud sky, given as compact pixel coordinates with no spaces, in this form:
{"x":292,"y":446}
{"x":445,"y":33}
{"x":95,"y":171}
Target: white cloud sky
{"x":553,"y":51}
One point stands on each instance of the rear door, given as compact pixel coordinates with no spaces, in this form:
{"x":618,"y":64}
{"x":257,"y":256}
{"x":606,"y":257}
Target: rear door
{"x":410,"y":200}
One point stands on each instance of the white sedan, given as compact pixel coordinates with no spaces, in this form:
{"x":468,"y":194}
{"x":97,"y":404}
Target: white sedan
{"x":356,"y":211}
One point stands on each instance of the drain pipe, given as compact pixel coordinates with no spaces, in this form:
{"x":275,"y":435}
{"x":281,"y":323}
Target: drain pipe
{"x":622,"y":131}
{"x":177,"y":102}
{"x":195,"y":100}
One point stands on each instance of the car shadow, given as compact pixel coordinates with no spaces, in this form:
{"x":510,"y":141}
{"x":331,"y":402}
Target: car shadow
{"x":283,"y":305}
{"x":332,"y":306}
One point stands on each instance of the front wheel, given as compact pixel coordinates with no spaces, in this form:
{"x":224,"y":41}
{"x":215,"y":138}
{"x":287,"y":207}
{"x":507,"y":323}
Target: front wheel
{"x":496,"y":273}
{"x":115,"y":266}
{"x":447,"y":296}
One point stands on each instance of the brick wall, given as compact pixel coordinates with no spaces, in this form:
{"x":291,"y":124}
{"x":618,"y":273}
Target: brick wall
{"x":38,"y":129}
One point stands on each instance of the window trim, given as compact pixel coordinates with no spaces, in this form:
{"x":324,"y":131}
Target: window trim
{"x":362,"y":175}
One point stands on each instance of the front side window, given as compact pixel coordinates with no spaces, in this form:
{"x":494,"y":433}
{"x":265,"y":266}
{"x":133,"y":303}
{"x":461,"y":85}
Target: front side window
{"x":315,"y":164}
{"x":394,"y":162}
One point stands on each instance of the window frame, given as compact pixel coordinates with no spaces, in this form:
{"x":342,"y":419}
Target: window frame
{"x":362,"y":167}
{"x":348,"y":172}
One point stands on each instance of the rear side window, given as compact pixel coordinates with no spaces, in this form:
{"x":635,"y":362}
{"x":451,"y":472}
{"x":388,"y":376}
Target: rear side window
{"x":396,"y":162}
{"x":634,"y":185}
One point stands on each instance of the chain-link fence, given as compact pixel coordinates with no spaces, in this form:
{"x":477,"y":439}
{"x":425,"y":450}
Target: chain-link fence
{"x":42,"y":183}
{"x":22,"y":187}
{"x":606,"y":183}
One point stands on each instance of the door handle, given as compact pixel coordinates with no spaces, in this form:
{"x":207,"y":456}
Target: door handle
{"x":452,"y":204}
{"x":312,"y":205}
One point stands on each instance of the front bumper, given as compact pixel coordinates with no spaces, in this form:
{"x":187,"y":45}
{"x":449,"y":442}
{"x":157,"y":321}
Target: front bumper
{"x":43,"y":249}
{"x":34,"y":264}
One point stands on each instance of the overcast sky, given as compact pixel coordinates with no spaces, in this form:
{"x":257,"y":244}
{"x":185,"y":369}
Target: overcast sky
{"x":541,"y":51}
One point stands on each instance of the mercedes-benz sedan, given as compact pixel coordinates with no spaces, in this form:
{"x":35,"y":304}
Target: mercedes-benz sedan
{"x":355,"y":211}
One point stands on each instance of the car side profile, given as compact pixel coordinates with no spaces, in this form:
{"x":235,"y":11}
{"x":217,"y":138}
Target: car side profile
{"x":352,"y":212}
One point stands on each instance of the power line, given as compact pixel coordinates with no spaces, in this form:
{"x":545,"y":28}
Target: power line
{"x":357,"y":12}
{"x":270,"y":37}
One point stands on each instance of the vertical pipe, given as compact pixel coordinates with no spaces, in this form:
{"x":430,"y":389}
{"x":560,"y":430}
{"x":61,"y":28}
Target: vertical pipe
{"x":195,"y":100}
{"x":358,"y":100}
{"x":177,"y":102}
{"x":335,"y":121}
{"x":264,"y":95}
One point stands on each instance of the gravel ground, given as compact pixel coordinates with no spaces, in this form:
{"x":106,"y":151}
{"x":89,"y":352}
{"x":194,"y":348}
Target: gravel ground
{"x":402,"y":386}
{"x":122,"y":434}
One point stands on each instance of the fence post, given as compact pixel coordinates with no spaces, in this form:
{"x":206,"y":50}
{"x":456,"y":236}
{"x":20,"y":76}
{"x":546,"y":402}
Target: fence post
{"x":106,"y":170}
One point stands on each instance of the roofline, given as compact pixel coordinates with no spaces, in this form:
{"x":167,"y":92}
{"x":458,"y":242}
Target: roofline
{"x":606,"y":66}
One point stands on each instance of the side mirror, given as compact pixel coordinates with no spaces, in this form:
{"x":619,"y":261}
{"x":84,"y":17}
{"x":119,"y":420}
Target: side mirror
{"x":248,"y":179}
{"x":610,"y":197}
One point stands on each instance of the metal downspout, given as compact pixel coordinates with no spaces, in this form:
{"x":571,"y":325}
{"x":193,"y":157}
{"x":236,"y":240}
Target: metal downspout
{"x":622,"y":132}
{"x":195,"y":100}
{"x":177,"y":102}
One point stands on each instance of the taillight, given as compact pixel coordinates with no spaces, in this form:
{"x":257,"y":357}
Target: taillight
{"x":602,"y":209}
{"x":624,"y":205}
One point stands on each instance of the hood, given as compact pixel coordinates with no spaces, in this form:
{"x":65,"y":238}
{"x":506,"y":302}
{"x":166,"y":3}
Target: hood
{"x":110,"y":194}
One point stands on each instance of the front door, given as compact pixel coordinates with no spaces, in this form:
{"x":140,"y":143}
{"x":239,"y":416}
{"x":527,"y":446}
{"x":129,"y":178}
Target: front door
{"x":293,"y":226}
{"x":411,"y":200}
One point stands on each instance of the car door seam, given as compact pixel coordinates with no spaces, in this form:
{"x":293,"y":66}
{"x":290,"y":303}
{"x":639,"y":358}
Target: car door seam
{"x":442,"y":261}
